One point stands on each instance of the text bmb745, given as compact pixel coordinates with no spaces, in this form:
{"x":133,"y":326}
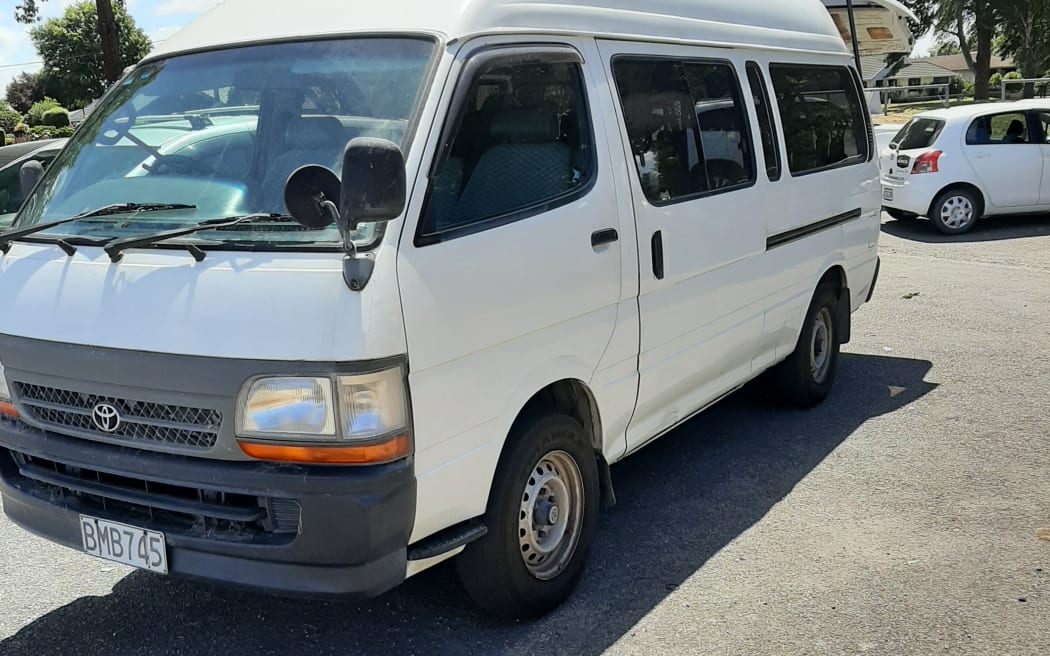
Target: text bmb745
{"x":316,"y":299}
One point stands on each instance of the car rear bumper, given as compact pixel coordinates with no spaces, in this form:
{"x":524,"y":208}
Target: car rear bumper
{"x":906,"y":196}
{"x":278,"y":528}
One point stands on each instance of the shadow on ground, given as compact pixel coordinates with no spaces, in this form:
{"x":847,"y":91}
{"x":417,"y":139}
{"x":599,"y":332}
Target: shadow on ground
{"x":681,"y":500}
{"x":995,"y":228}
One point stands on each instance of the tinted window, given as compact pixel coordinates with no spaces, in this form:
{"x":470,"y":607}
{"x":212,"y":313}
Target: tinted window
{"x":523,"y":141}
{"x":770,"y":147}
{"x":1044,"y":126}
{"x":998,"y":129}
{"x":11,"y":196}
{"x":686,"y":126}
{"x":825,"y":123}
{"x":918,"y":133}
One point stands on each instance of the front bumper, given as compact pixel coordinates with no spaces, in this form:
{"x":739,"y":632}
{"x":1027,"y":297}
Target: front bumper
{"x":286,"y":529}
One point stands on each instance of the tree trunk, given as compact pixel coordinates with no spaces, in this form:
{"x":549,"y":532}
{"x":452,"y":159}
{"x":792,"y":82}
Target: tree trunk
{"x":983,"y":62}
{"x":107,"y":31}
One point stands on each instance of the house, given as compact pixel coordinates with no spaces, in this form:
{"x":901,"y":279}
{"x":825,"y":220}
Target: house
{"x":957,"y":64}
{"x":917,"y":73}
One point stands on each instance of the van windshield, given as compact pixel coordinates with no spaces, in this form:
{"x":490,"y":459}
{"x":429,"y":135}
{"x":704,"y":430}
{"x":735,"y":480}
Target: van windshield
{"x":222,"y":131}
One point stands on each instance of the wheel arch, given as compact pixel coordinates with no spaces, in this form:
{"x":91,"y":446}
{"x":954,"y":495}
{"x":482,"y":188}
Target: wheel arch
{"x":968,"y":186}
{"x":835,"y":276}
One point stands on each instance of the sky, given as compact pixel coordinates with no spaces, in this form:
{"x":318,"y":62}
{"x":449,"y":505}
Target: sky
{"x":159,"y":18}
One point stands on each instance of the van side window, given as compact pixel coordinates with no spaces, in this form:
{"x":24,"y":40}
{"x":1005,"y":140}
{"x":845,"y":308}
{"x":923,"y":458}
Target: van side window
{"x":998,"y":129}
{"x":770,"y":146}
{"x":823,"y":116}
{"x":523,"y":143}
{"x":686,"y":126}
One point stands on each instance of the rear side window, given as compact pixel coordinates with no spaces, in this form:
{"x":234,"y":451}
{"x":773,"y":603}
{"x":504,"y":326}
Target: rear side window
{"x":770,"y":147}
{"x":687,"y":127}
{"x":825,"y":122}
{"x":999,"y":129}
{"x":918,"y":133}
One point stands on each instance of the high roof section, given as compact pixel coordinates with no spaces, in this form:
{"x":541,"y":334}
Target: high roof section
{"x":780,"y":24}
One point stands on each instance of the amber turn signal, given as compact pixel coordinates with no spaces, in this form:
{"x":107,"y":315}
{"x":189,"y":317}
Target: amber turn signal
{"x":8,"y":409}
{"x":370,"y":454}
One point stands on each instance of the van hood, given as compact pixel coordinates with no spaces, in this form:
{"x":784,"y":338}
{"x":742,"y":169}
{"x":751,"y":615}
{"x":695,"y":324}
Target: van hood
{"x":248,"y":305}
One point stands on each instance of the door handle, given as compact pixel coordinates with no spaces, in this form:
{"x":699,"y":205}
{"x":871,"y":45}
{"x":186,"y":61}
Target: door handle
{"x":658,"y":255}
{"x":603,"y":237}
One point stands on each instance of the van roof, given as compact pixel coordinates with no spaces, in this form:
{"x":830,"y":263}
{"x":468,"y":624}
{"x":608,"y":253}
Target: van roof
{"x":778,"y":24}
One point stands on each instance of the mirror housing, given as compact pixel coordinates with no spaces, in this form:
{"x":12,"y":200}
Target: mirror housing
{"x":28,"y":176}
{"x":374,"y":186}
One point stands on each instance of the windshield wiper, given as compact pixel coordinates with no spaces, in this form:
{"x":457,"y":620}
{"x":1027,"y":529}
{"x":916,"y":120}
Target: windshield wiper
{"x":116,"y":247}
{"x":122,"y":208}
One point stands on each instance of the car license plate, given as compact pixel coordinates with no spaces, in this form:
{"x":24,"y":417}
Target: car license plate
{"x":125,"y":544}
{"x":887,"y":193}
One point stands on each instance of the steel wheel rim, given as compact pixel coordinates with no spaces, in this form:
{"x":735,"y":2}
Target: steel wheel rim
{"x":957,"y":212}
{"x":820,"y":346}
{"x":550,"y":518}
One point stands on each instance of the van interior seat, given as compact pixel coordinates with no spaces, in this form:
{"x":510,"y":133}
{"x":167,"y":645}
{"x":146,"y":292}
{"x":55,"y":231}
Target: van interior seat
{"x":308,"y":140}
{"x":527,"y":163}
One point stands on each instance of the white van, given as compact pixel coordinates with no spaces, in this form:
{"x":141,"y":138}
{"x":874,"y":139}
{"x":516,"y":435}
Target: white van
{"x":436,"y":266}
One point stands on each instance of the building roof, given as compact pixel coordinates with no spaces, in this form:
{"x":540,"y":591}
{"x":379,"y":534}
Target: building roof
{"x":781,"y":24}
{"x":958,"y":62}
{"x":919,"y":68}
{"x":872,"y":65}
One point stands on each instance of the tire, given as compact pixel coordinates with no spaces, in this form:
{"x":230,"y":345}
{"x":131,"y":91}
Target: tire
{"x":551,"y":454}
{"x":805,"y":379}
{"x":900,"y":215}
{"x":955,"y":211}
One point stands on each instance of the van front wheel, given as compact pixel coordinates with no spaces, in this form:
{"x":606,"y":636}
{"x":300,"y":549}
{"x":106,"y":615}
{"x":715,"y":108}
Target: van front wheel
{"x":806,"y":377}
{"x":541,"y":520}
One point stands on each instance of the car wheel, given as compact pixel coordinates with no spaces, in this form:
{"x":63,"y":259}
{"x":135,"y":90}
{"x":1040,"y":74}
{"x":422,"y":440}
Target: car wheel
{"x":541,"y":520}
{"x":955,"y":211}
{"x":806,"y":377}
{"x":901,"y":215}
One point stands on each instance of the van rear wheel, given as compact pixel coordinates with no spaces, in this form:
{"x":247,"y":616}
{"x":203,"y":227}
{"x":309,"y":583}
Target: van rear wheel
{"x":806,"y":377}
{"x":541,"y":519}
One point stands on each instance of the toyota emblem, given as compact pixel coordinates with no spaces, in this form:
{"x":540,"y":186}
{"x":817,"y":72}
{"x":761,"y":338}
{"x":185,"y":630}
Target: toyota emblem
{"x":105,"y":417}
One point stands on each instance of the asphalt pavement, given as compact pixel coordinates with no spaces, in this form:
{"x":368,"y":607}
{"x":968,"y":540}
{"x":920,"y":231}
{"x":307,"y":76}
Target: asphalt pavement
{"x":902,"y":517}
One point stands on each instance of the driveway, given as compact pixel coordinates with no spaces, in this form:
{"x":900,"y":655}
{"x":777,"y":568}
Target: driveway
{"x":902,"y":517}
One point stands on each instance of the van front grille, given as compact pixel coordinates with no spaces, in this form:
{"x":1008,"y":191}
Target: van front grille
{"x":137,"y":421}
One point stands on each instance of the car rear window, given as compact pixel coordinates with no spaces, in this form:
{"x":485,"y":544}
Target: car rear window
{"x":918,"y":133}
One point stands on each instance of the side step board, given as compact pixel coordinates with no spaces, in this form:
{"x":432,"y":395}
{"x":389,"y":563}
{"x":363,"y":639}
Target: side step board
{"x":451,"y":538}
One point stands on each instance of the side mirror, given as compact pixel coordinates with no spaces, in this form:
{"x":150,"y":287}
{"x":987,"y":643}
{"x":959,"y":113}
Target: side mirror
{"x":28,"y":176}
{"x":310,"y":194}
{"x":374,"y":186}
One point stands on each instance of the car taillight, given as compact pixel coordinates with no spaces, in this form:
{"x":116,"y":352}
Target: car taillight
{"x":926,"y":163}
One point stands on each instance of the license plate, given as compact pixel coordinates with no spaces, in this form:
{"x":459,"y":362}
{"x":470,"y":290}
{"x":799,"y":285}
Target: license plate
{"x":887,"y":193}
{"x":125,"y":544}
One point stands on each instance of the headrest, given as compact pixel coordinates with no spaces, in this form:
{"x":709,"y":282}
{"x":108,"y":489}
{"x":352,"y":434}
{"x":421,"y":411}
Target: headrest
{"x":315,"y":131}
{"x":525,"y":126}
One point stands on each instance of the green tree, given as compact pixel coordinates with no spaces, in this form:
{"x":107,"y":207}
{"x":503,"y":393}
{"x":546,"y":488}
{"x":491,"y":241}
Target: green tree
{"x":25,"y":90}
{"x":9,"y":118}
{"x":946,"y":48}
{"x":107,"y":25}
{"x":70,"y":48}
{"x":973,"y":24}
{"x":35,"y":115}
{"x":1026,"y":37}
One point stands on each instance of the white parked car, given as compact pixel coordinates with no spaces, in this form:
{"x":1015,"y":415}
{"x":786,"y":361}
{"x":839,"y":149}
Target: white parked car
{"x":960,"y":164}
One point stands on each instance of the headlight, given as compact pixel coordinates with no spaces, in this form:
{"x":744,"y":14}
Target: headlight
{"x":288,"y":408}
{"x":6,"y":407}
{"x":5,"y":392}
{"x":372,"y":405}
